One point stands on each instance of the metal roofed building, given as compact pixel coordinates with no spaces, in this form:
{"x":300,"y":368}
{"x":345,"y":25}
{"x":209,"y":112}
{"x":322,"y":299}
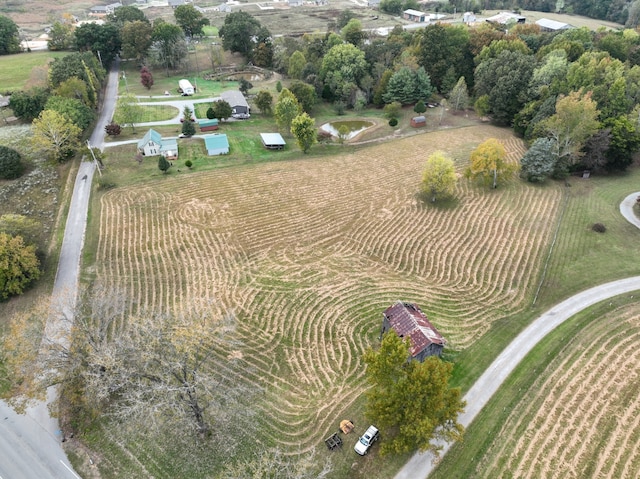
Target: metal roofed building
{"x":505,"y":17}
{"x":408,"y":320}
{"x":547,"y":25}
{"x":216,"y":144}
{"x":273,"y":141}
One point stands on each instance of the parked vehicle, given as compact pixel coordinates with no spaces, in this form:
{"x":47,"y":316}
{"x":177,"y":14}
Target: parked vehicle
{"x":370,"y":436}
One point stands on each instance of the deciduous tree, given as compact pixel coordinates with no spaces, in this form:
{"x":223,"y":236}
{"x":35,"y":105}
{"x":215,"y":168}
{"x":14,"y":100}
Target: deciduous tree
{"x":19,"y":265}
{"x":574,"y":122}
{"x":76,"y":88}
{"x":342,"y":65}
{"x":287,"y":108}
{"x":27,"y":105}
{"x":72,"y":108}
{"x":55,"y":135}
{"x":222,"y":110}
{"x":238,"y":33}
{"x":392,"y":110}
{"x":9,"y":36}
{"x":459,"y":95}
{"x":304,"y":130}
{"x":128,"y":112}
{"x":190,"y":20}
{"x":305,"y":94}
{"x":11,"y":165}
{"x":19,"y":225}
{"x":102,"y":40}
{"x":264,"y":101}
{"x":489,"y":163}
{"x":60,"y":36}
{"x":439,"y":176}
{"x":146,"y":78}
{"x":169,"y":45}
{"x":410,"y":402}
{"x":297,"y":62}
{"x":137,"y":38}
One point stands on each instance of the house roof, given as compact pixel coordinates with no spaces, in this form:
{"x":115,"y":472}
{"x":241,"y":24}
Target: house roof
{"x":151,"y":135}
{"x":234,"y":98}
{"x":552,"y":24}
{"x":505,"y":17}
{"x":272,"y":139}
{"x":169,"y":145}
{"x":415,"y":13}
{"x":214,"y":142}
{"x":208,"y":122}
{"x":407,"y":320}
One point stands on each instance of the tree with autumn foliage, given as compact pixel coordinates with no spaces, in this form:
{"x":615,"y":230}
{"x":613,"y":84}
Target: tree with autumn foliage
{"x":411,"y":402}
{"x":439,"y":176}
{"x":146,"y":78}
{"x":19,"y":265}
{"x":489,"y":163}
{"x":56,"y":135}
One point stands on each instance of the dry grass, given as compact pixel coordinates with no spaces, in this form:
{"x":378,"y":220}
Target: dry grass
{"x":306,"y":254}
{"x":589,"y":391}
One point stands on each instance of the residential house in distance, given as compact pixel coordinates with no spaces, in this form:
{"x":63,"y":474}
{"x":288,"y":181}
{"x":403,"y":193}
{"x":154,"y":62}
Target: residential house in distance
{"x":414,"y":16}
{"x":503,"y":18}
{"x":408,"y":321}
{"x":239,"y":107}
{"x":373,"y":3}
{"x":224,"y":8}
{"x":547,"y":25}
{"x":216,"y":144}
{"x":295,"y":3}
{"x":152,"y":144}
{"x":176,"y":3}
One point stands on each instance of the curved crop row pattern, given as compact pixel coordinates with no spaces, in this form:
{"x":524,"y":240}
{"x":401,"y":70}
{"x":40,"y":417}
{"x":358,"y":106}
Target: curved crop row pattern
{"x":307,"y":254}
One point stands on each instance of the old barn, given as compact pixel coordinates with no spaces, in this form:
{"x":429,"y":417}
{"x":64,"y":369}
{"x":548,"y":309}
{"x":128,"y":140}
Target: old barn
{"x":408,"y":321}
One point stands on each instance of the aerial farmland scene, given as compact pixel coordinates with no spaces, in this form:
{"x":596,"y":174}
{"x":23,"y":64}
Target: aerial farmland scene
{"x":309,"y":239}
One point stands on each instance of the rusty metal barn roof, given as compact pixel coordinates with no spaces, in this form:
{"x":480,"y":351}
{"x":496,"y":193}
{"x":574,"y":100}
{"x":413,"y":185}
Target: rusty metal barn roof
{"x":408,"y":320}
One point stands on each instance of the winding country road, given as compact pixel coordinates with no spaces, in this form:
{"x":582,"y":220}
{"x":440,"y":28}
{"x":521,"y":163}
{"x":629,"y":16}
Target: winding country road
{"x":30,"y":444}
{"x":421,"y":465}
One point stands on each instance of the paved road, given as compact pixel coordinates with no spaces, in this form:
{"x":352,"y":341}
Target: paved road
{"x":421,"y":465}
{"x":30,"y":444}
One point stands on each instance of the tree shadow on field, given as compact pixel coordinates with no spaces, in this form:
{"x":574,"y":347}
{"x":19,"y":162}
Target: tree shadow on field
{"x":445,"y":204}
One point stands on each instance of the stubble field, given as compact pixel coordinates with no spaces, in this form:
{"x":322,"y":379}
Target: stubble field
{"x":306,"y":254}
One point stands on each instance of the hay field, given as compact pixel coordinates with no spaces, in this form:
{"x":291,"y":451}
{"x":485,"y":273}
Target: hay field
{"x":306,"y":254}
{"x":581,"y":418}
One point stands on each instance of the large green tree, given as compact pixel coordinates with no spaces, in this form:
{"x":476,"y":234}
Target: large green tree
{"x":128,"y":112}
{"x":102,"y":40}
{"x":411,"y":402}
{"x":305,"y":94}
{"x":136,"y":39}
{"x":11,"y":165}
{"x":27,"y":105}
{"x":74,"y":87}
{"x":343,"y":67}
{"x":190,"y":20}
{"x":304,"y":130}
{"x":407,"y":86}
{"x":81,"y":65}
{"x":169,"y":45}
{"x":60,"y":36}
{"x":19,"y":265}
{"x":72,"y":108}
{"x":222,"y":110}
{"x":539,"y":162}
{"x":441,"y":47}
{"x":125,"y":14}
{"x":505,"y":80}
{"x":239,"y":33}
{"x":439,"y":176}
{"x":55,"y":135}
{"x":287,"y":108}
{"x":9,"y":36}
{"x":575,"y":120}
{"x":264,"y":101}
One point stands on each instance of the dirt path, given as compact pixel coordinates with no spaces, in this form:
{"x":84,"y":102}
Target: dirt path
{"x":421,"y":465}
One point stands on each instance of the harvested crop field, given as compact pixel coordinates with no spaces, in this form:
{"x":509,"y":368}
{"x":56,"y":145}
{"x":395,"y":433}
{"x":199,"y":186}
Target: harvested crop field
{"x":590,"y":391}
{"x":306,"y":254}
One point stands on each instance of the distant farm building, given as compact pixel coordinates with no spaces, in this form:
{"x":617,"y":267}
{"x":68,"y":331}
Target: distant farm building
{"x":176,"y":3}
{"x":547,"y":25}
{"x":468,"y":17}
{"x":239,"y":107}
{"x":208,"y":125}
{"x":418,"y":121}
{"x":504,"y":18}
{"x":272,"y":141}
{"x":408,"y":321}
{"x":414,"y":16}
{"x":185,"y":87}
{"x":216,"y":144}
{"x":373,"y":3}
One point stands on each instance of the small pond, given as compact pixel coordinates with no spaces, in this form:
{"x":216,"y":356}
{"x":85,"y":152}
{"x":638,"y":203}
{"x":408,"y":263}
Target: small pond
{"x":355,"y":127}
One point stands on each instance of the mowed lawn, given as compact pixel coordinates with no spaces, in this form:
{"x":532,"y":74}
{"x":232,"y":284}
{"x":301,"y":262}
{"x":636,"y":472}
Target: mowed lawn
{"x":305,"y":254}
{"x":16,"y":70}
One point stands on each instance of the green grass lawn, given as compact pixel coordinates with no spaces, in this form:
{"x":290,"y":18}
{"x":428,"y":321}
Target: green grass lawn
{"x":15,"y":70}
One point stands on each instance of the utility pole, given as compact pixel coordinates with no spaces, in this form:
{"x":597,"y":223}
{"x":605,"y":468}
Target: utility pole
{"x":98,"y":164}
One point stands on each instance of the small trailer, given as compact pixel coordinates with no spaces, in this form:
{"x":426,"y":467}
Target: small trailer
{"x":185,"y":87}
{"x":334,"y":441}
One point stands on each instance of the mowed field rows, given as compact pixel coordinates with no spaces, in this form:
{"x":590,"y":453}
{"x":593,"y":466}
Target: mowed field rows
{"x":306,"y":255}
{"x":581,"y":418}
